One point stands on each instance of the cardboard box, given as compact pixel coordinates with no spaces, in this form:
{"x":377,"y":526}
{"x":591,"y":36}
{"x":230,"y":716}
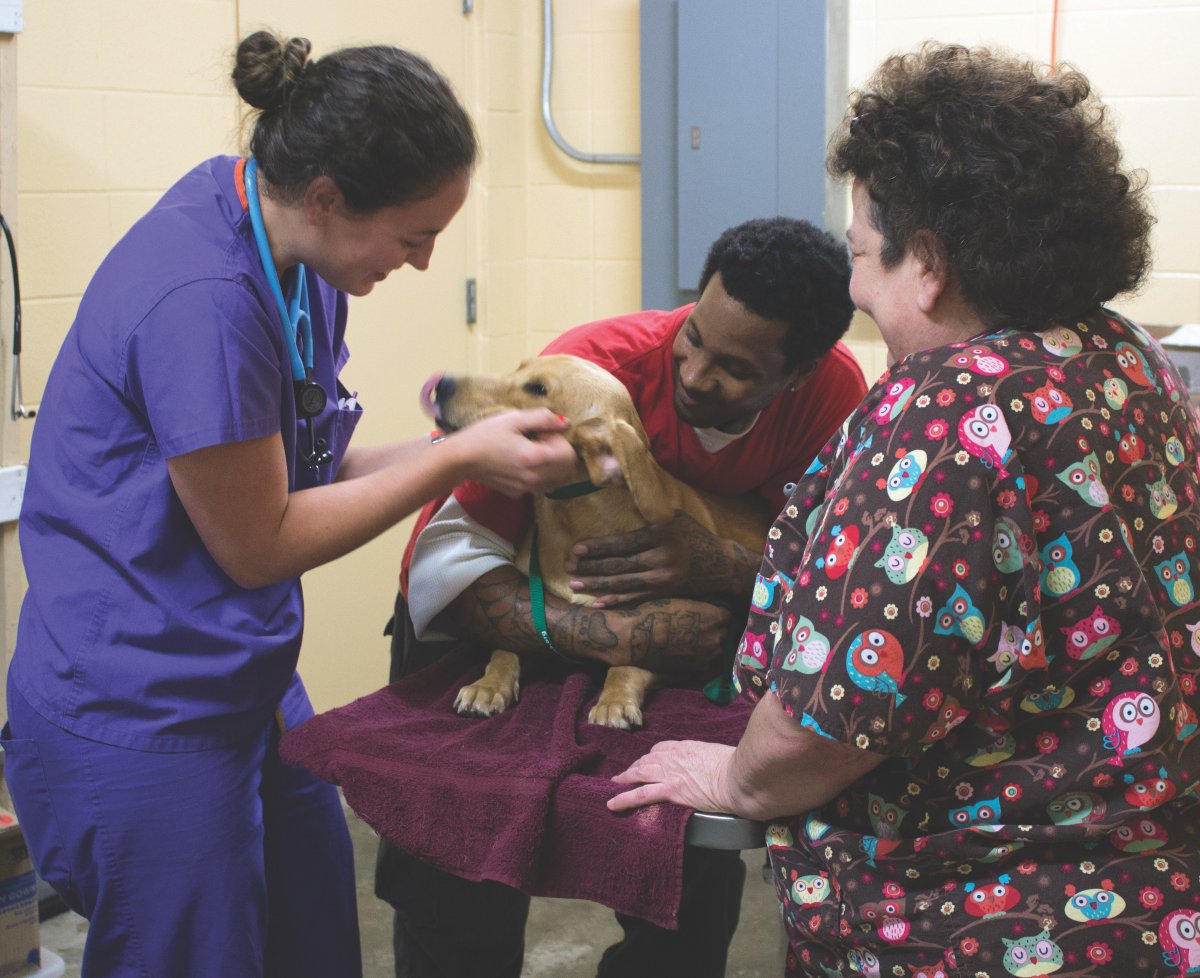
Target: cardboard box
{"x":19,"y":936}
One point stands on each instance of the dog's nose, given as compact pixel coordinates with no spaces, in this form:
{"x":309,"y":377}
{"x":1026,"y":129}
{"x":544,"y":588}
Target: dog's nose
{"x":428,"y":396}
{"x":444,"y":390}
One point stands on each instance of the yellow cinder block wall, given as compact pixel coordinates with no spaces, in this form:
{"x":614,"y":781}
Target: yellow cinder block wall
{"x":1139,"y":59}
{"x":117,"y":98}
{"x":560,"y":239}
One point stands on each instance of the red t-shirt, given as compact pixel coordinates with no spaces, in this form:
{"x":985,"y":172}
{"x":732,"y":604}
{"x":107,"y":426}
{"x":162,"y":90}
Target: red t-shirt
{"x":637,"y":350}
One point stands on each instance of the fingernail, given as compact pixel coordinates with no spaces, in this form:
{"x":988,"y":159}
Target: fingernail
{"x":576,"y":585}
{"x":562,"y":419}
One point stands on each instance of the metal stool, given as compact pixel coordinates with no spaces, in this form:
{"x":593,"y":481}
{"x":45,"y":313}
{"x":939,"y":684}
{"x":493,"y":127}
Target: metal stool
{"x":712,"y":830}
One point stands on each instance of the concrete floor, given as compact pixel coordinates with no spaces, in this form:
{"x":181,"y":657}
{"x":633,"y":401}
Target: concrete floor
{"x":564,"y":939}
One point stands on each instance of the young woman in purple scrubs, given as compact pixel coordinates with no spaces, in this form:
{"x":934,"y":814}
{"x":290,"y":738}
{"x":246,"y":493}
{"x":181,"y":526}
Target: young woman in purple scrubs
{"x":189,"y":463}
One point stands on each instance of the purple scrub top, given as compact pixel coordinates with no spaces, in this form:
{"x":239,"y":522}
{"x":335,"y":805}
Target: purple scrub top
{"x":130,"y":633}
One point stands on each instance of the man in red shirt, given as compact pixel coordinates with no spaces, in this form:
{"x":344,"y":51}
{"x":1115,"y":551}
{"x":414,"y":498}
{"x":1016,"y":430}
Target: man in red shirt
{"x":737,"y":394}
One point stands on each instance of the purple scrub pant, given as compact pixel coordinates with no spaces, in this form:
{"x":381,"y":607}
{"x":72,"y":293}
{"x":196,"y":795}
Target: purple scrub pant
{"x":222,"y":862}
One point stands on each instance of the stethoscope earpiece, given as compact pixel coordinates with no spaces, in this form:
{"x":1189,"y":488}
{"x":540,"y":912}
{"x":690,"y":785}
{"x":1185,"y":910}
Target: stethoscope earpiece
{"x":318,"y":453}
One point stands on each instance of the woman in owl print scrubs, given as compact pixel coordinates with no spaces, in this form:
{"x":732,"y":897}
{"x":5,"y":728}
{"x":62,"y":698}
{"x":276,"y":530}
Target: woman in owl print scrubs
{"x":975,"y":740}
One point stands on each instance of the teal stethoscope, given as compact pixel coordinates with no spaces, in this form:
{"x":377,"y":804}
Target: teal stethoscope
{"x":297,"y":324}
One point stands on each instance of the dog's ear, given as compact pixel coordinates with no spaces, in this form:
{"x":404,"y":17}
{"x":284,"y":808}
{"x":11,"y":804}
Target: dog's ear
{"x":617,"y":452}
{"x":593,"y":439}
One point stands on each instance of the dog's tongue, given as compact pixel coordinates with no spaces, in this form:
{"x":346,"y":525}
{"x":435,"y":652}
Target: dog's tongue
{"x":427,"y":396}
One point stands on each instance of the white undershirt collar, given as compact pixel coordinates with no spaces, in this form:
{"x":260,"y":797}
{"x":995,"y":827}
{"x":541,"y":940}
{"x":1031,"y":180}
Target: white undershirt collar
{"x":713,"y":439}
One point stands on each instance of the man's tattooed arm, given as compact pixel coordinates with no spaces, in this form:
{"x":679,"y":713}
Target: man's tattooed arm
{"x":665,"y":635}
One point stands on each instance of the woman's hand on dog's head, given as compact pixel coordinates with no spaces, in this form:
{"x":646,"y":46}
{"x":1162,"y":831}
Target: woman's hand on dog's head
{"x":517,"y":451}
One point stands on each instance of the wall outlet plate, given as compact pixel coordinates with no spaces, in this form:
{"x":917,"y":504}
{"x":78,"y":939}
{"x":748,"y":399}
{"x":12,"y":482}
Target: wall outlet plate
{"x":12,"y":491}
{"x":12,"y":16}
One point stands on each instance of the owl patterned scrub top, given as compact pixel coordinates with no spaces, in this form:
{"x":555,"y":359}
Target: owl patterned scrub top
{"x":989,"y":577}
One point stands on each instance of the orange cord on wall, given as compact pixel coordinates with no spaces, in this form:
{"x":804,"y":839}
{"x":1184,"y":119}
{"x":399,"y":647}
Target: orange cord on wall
{"x":1053,"y":32}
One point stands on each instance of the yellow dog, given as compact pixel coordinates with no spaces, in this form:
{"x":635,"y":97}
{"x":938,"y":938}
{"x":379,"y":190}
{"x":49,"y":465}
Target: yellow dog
{"x":633,"y":491}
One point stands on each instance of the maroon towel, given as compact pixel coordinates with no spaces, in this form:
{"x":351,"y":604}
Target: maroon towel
{"x":518,"y":797}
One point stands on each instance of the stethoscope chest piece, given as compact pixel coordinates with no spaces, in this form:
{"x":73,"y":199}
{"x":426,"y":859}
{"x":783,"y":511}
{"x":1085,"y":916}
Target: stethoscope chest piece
{"x":310,"y":398}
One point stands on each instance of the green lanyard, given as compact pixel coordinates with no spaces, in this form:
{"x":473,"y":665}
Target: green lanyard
{"x":537,"y":590}
{"x":537,"y":598}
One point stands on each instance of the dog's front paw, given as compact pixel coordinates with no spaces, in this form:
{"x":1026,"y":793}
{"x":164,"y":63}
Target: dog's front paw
{"x":485,"y":698}
{"x":615,"y":712}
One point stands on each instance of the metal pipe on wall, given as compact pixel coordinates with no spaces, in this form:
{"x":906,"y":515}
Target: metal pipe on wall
{"x":548,"y":115}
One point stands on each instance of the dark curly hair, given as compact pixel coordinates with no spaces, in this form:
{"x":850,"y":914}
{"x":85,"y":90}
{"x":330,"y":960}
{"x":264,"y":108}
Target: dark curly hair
{"x":787,"y":269}
{"x":381,"y":121}
{"x":1012,"y":167}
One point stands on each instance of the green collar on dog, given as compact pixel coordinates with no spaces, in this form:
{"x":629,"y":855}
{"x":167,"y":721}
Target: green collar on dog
{"x":574,"y":490}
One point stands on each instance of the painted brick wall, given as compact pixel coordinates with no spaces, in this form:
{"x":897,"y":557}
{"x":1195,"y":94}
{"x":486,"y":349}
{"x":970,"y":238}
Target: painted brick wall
{"x":561,"y":238}
{"x":1140,"y":58}
{"x":115,"y":101}
{"x":117,"y":98}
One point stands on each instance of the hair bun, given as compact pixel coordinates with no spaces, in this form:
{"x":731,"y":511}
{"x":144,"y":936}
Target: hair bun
{"x":267,"y":68}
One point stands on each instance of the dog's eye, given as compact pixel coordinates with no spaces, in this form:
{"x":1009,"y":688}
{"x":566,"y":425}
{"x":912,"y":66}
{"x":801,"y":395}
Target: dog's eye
{"x":536,"y":388}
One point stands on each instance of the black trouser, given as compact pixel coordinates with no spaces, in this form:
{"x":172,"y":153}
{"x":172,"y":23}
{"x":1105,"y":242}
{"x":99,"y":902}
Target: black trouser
{"x":449,"y":927}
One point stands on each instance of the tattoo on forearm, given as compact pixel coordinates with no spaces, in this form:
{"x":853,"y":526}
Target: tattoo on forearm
{"x":729,"y":566}
{"x":663,"y":638}
{"x":662,"y":634}
{"x":721,"y":566}
{"x":589,"y":632}
{"x":498,"y":612}
{"x":708,"y":561}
